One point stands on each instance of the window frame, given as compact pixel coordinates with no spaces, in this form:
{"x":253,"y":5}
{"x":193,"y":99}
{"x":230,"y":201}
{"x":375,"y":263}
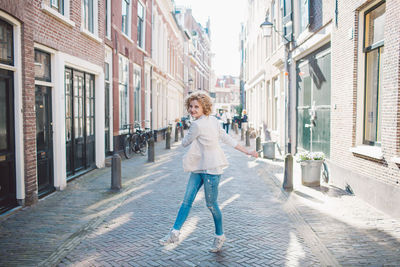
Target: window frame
{"x":123,"y":60}
{"x":60,"y":7}
{"x":128,"y":20}
{"x":141,"y":33}
{"x":378,"y":46}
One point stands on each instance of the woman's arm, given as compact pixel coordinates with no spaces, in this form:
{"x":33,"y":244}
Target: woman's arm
{"x":191,"y":135}
{"x":245,"y":151}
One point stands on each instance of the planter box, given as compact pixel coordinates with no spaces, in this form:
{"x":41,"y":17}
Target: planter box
{"x":311,"y":172}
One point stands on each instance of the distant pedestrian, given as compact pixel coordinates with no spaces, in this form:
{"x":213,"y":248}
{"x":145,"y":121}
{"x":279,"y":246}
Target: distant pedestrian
{"x":244,"y":120}
{"x":205,"y":161}
{"x":226,"y":120}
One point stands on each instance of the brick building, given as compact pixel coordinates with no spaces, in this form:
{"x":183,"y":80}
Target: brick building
{"x":52,"y":93}
{"x":167,"y":67}
{"x":129,"y":45}
{"x":365,"y":119}
{"x":199,"y":69}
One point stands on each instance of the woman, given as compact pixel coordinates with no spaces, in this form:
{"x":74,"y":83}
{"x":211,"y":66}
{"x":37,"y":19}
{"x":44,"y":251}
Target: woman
{"x":205,"y":161}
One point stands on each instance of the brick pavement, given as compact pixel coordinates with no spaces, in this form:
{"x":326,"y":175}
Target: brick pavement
{"x":87,"y":225}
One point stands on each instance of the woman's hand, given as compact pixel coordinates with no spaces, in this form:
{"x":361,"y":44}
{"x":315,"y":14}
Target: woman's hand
{"x":253,"y":153}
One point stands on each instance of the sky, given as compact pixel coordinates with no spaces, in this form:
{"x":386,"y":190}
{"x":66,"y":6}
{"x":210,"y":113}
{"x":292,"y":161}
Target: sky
{"x":225,"y":17}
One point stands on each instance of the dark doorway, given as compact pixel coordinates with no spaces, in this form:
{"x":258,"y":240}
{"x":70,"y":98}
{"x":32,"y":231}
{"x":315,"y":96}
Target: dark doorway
{"x":79,"y":119}
{"x":7,"y":145}
{"x":44,"y":140}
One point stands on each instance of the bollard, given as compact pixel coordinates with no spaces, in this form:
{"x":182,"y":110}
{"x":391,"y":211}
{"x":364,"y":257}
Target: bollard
{"x":288,"y":176}
{"x":150,"y":153}
{"x":176,"y":134}
{"x":247,"y":138}
{"x":168,"y":139}
{"x":116,"y":172}
{"x":258,"y":144}
{"x":242,"y":134}
{"x":236,"y":126}
{"x":182,"y":133}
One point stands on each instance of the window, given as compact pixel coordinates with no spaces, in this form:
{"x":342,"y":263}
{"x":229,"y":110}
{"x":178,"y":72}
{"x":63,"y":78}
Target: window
{"x":140,"y":25}
{"x":126,"y":6}
{"x":304,"y":17}
{"x":138,"y":81}
{"x":275,"y":104}
{"x":88,"y":15}
{"x":58,"y":5}
{"x":373,"y":49}
{"x":108,"y":19}
{"x":123,"y":91}
{"x":42,"y":66}
{"x":6,"y":43}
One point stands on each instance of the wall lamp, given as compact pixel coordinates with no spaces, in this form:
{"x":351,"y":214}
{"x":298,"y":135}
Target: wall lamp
{"x":267,"y":27}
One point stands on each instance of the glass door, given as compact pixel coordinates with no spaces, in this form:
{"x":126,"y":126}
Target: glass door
{"x":7,"y":150}
{"x":79,"y":117}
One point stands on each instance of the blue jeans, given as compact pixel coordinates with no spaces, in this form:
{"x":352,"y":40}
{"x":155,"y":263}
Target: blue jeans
{"x":210,"y":182}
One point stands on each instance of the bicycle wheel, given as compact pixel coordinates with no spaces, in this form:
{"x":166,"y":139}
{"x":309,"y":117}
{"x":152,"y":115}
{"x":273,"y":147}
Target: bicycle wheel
{"x":128,"y":149}
{"x":143,"y":145}
{"x":136,"y":143}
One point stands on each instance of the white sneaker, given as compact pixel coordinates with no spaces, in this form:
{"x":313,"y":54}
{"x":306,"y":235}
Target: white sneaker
{"x":171,"y":238}
{"x":218,"y":242}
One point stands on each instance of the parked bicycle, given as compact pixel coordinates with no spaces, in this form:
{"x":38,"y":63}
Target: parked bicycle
{"x":136,"y":140}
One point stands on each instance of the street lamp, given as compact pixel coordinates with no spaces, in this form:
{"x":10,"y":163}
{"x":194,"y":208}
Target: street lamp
{"x":267,"y":27}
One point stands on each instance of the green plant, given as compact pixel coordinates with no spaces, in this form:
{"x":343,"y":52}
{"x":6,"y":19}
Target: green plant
{"x":307,"y":155}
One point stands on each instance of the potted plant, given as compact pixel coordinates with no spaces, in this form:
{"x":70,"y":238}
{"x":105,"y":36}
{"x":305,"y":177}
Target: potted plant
{"x":310,"y":163}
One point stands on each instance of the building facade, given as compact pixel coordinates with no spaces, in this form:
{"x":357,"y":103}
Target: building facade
{"x":168,"y":83}
{"x":225,"y":92}
{"x":199,"y":50}
{"x":52,"y":94}
{"x":74,"y":75}
{"x":341,"y":94}
{"x":264,"y":71}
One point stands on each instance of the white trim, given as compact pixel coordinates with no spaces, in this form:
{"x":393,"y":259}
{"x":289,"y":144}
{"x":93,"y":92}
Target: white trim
{"x":141,"y":49}
{"x":91,"y":35}
{"x":43,"y":83}
{"x":62,"y":18}
{"x":62,"y":61}
{"x":127,"y":38}
{"x":369,"y":151}
{"x":318,"y":40}
{"x":44,"y":48}
{"x":8,"y":67}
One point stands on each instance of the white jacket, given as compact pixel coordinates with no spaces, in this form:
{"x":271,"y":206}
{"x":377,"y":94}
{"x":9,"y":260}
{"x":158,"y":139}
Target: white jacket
{"x":205,"y":152}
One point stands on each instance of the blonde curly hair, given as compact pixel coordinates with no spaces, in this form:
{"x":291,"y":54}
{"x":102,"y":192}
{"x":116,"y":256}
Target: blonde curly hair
{"x":203,"y":99}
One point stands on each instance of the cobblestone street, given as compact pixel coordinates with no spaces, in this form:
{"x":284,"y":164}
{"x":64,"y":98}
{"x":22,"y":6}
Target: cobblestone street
{"x":88,"y":225}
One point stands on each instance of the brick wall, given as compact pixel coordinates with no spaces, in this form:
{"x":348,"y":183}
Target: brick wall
{"x":345,"y":79}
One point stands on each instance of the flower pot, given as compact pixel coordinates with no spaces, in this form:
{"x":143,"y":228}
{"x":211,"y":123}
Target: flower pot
{"x":311,"y":172}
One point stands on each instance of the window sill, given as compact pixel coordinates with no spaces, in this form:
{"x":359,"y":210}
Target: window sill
{"x":128,"y":38}
{"x":368,"y":151}
{"x":91,"y":35}
{"x":57,"y":15}
{"x":141,"y":49}
{"x":396,"y":160}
